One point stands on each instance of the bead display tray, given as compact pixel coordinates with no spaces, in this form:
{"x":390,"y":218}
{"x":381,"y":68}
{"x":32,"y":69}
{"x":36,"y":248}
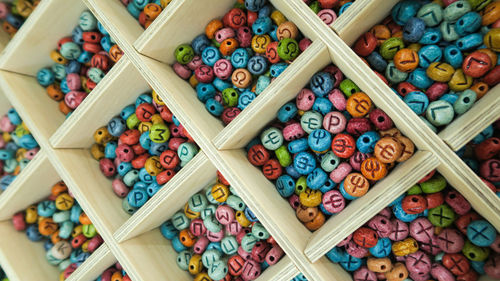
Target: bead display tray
{"x":135,"y":241}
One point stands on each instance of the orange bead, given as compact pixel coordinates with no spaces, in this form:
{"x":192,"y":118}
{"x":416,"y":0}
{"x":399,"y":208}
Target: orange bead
{"x":84,"y":219}
{"x":406,"y":60}
{"x":11,"y":30}
{"x":54,"y":92}
{"x":490,"y":13}
{"x":228,"y":46}
{"x":355,"y":184}
{"x":381,"y":33}
{"x":407,"y":148}
{"x":358,"y":104}
{"x":64,"y":108}
{"x":316,"y":223}
{"x":117,"y":276}
{"x":373,"y":169}
{"x":306,"y":214}
{"x":115,"y":53}
{"x":212,"y":27}
{"x":152,"y":11}
{"x":187,"y":238}
{"x":388,"y":150}
{"x":480,"y":88}
{"x":287,"y":30}
{"x":47,"y":226}
{"x":54,"y":238}
{"x":241,"y":78}
{"x":59,"y":188}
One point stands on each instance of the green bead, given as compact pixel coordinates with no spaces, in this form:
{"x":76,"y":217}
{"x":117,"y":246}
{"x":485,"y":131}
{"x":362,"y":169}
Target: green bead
{"x":87,"y":21}
{"x":59,"y":71}
{"x":475,"y":253}
{"x":465,"y":101}
{"x":23,"y":163}
{"x":395,"y":75}
{"x":233,"y":191}
{"x":89,"y":230}
{"x":431,"y":14}
{"x":184,"y":54}
{"x":442,"y":216}
{"x":235,"y":202}
{"x":180,"y":221}
{"x":183,"y":259}
{"x":186,"y":152}
{"x":215,"y":43}
{"x":20,"y":131}
{"x":133,"y":121}
{"x":51,"y":259}
{"x":432,"y":127}
{"x":456,"y":10}
{"x":434,"y":185}
{"x":478,"y":4}
{"x":197,"y":203}
{"x":230,"y":97}
{"x":330,"y":161}
{"x":229,"y":245}
{"x":212,"y":224}
{"x":272,"y":138}
{"x":259,"y":232}
{"x":210,"y":256}
{"x":131,"y":177}
{"x":348,"y":87}
{"x":300,"y":185}
{"x":414,"y":190}
{"x":448,"y":31}
{"x":218,"y":270}
{"x":288,"y":49}
{"x":10,"y":165}
{"x":64,"y":264}
{"x":127,"y":208}
{"x":390,"y":47}
{"x":239,"y":6}
{"x":247,"y":242}
{"x":95,"y":74}
{"x":311,"y":120}
{"x":315,"y":7}
{"x":208,"y":211}
{"x":283,"y":156}
{"x":439,"y":113}
{"x":70,"y":50}
{"x":159,"y":133}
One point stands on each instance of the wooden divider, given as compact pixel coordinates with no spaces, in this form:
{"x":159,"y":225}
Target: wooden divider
{"x":91,"y":269}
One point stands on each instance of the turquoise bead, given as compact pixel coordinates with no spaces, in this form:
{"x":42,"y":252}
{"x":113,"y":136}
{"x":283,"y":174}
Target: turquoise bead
{"x":87,"y":21}
{"x":208,"y":195}
{"x":431,"y":14}
{"x":247,"y":242}
{"x":468,"y":23}
{"x":262,"y":83}
{"x":9,"y":165}
{"x":177,"y":245}
{"x":235,"y":202}
{"x":470,"y":41}
{"x":210,"y":256}
{"x":95,"y":74}
{"x":394,"y":75}
{"x":137,"y":197}
{"x":448,"y":31}
{"x":432,"y":127}
{"x":208,"y":211}
{"x":131,"y":178}
{"x":197,"y":202}
{"x":70,"y":50}
{"x":60,"y":217}
{"x":465,"y":101}
{"x":440,"y":113}
{"x":212,"y":224}
{"x":168,"y":230}
{"x":259,"y":232}
{"x":310,"y":121}
{"x":183,"y":259}
{"x":456,"y":10}
{"x":481,"y":233}
{"x":187,"y":151}
{"x":229,"y":245}
{"x":65,"y":229}
{"x":272,"y":138}
{"x":180,"y":221}
{"x":59,"y":71}
{"x":51,"y":259}
{"x":419,"y":79}
{"x":218,"y":270}
{"x":64,"y":264}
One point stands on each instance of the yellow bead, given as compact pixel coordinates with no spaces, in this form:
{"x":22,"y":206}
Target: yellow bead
{"x":31,"y":215}
{"x":202,"y":277}
{"x":310,"y":198}
{"x":195,"y":264}
{"x":242,"y":219}
{"x":61,"y":276}
{"x":144,"y":127}
{"x":459,"y":81}
{"x":260,"y":42}
{"x":6,"y":137}
{"x":190,"y":213}
{"x":85,"y":246}
{"x":220,"y":192}
{"x":102,"y":136}
{"x":492,"y":39}
{"x":156,"y":119}
{"x":164,"y":3}
{"x":20,"y":154}
{"x":97,"y":151}
{"x":20,"y":131}
{"x":157,"y":98}
{"x":153,"y":166}
{"x":57,"y":57}
{"x":25,"y":127}
{"x":77,"y":230}
{"x":193,"y":82}
{"x":405,"y":247}
{"x":277,"y":17}
{"x":440,"y":71}
{"x":64,"y":202}
{"x":415,"y":47}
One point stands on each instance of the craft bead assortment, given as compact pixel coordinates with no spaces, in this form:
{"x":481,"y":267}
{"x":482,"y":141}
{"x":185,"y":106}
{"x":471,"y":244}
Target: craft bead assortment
{"x":429,"y":232}
{"x":13,"y":15}
{"x":141,"y":149}
{"x":80,"y":62}
{"x":238,"y":56}
{"x":68,"y":235}
{"x":439,"y":58}
{"x":145,"y":11}
{"x":114,"y":273}
{"x":329,"y":10}
{"x":17,"y":147}
{"x":328,"y":147}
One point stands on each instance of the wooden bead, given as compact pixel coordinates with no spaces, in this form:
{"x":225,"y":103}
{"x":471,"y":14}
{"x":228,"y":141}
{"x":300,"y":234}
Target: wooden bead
{"x":358,"y":104}
{"x":381,"y":33}
{"x":492,"y":39}
{"x":373,"y":169}
{"x":388,"y":150}
{"x":406,"y":60}
{"x":459,"y":81}
{"x":355,"y":184}
{"x":440,"y":71}
{"x":287,"y":30}
{"x":476,"y":64}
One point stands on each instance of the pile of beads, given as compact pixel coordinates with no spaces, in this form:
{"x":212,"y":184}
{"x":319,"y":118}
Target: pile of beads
{"x":328,"y":10}
{"x":142,"y":148}
{"x":482,"y":155}
{"x":14,"y":14}
{"x":17,"y":147}
{"x":145,"y":11}
{"x":217,"y":237}
{"x":114,"y":273}
{"x":439,"y":57}
{"x":3,"y":276}
{"x":429,"y":231}
{"x":299,"y":277}
{"x":237,"y":57}
{"x":81,"y":61}
{"x":68,"y":235}
{"x":330,"y":135}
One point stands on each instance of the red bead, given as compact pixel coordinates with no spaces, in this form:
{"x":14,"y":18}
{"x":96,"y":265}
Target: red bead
{"x":140,"y":161}
{"x":258,"y":155}
{"x":463,"y":221}
{"x":221,"y":179}
{"x":381,"y":120}
{"x":107,"y":167}
{"x":458,"y":264}
{"x":469,"y":276}
{"x":487,"y":149}
{"x":62,"y":41}
{"x":18,"y":221}
{"x":365,"y":45}
{"x":100,"y":61}
{"x":476,"y":64}
{"x":235,"y":265}
{"x":124,"y":153}
{"x":130,"y":137}
{"x":272,"y":52}
{"x":343,"y":145}
{"x":272,"y":169}
{"x":173,"y":143}
{"x":235,"y":18}
{"x":165,"y":113}
{"x":260,"y":250}
{"x":138,"y":149}
{"x":436,"y":90}
{"x":251,"y":17}
{"x":358,"y":126}
{"x":493,"y":77}
{"x":163,"y":177}
{"x":490,"y":170}
{"x":434,"y":200}
{"x":427,"y":177}
{"x":274,"y":255}
{"x":405,"y":88}
{"x":169,"y":159}
{"x":414,"y":204}
{"x":94,"y":243}
{"x":328,"y":4}
{"x":457,"y":202}
{"x":229,"y":114}
{"x":365,"y":237}
{"x":91,"y":47}
{"x":78,"y":241}
{"x":92,"y":37}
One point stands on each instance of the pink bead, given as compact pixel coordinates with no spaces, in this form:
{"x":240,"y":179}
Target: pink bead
{"x":338,"y":99}
{"x":345,"y":241}
{"x":336,"y":73}
{"x":174,"y":130}
{"x":223,"y":34}
{"x":304,"y":44}
{"x":69,"y":270}
{"x":418,"y":263}
{"x":204,"y":74}
{"x":182,"y":71}
{"x":357,"y":159}
{"x":200,"y":245}
{"x":94,"y":243}
{"x":436,"y":90}
{"x":233,"y":228}
{"x":223,"y":69}
{"x":355,"y":250}
{"x":422,"y":230}
{"x":195,"y":63}
{"x":74,"y":82}
{"x":242,"y":234}
{"x":334,"y":122}
{"x":432,"y":247}
{"x":457,"y":202}
{"x":448,"y":2}
{"x":74,"y":98}
{"x":174,"y":143}
{"x":244,"y":36}
{"x":274,"y":255}
{"x":18,"y":221}
{"x":305,"y":100}
{"x":218,"y":97}
{"x":224,"y":214}
{"x":450,"y":241}
{"x":260,"y":250}
{"x":6,"y":125}
{"x":358,"y":126}
{"x":2,"y":143}
{"x":328,"y":16}
{"x":490,"y":170}
{"x":340,"y":172}
{"x":333,"y":201}
{"x":118,"y":266}
{"x":386,"y":212}
{"x":381,"y":225}
{"x":251,"y":270}
{"x":106,"y":275}
{"x":400,"y":230}
{"x":242,"y":253}
{"x":492,"y":266}
{"x":120,"y":189}
{"x":419,"y":276}
{"x":117,"y":161}
{"x":197,"y":227}
{"x":293,"y":131}
{"x":215,"y":237}
{"x":30,"y":154}
{"x":364,"y":274}
{"x":381,"y":120}
{"x":125,"y":153}
{"x":294,"y":201}
{"x":229,"y":114}
{"x":107,"y":167}
{"x":4,"y":10}
{"x":496,"y":245}
{"x":440,"y":273}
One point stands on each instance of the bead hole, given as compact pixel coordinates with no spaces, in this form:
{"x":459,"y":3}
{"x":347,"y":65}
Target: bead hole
{"x":453,"y":52}
{"x":452,"y":196}
{"x":466,"y":99}
{"x":414,"y":199}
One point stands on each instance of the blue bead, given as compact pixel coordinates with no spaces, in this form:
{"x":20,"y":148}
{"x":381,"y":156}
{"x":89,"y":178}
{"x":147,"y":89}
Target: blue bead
{"x":45,"y":77}
{"x":239,"y":58}
{"x":429,"y":54}
{"x":485,"y":134}
{"x":345,"y":194}
{"x":127,"y":111}
{"x":322,"y":105}
{"x":431,"y":36}
{"x":382,"y":248}
{"x":214,"y":107}
{"x":106,"y":43}
{"x":397,"y":201}
{"x":304,"y":163}
{"x":376,"y":61}
{"x":329,"y":185}
{"x":123,"y":168}
{"x":245,"y":99}
{"x":140,"y":184}
{"x":468,"y":23}
{"x":145,"y":176}
{"x":199,"y":43}
{"x":5,"y":181}
{"x":451,"y":98}
{"x":133,"y":10}
{"x":255,"y":5}
{"x":177,"y":245}
{"x":336,"y":254}
{"x":156,"y":149}
{"x":257,"y":65}
{"x":144,"y":98}
{"x":265,"y":11}
{"x":400,"y":214}
{"x":469,"y":42}
{"x":73,"y":66}
{"x":14,"y":117}
{"x":404,"y":11}
{"x":298,"y":145}
{"x":481,"y":233}
{"x":262,"y":84}
{"x":137,"y":197}
{"x":77,"y":35}
{"x":287,"y":112}
{"x":419,"y":79}
{"x":210,"y":55}
{"x":84,"y":57}
{"x":321,"y":83}
{"x":28,"y":142}
{"x":273,"y":33}
{"x":344,"y":7}
{"x":47,"y":245}
{"x":205,"y":91}
{"x":64,"y":86}
{"x":250,"y":215}
{"x":413,"y":30}
{"x":473,"y":164}
{"x":221,"y":85}
{"x":285,"y":186}
{"x":168,"y":230}
{"x":276,"y":69}
{"x":453,"y":56}
{"x":14,"y":20}
{"x":175,"y":121}
{"x":117,"y":126}
{"x":75,"y":213}
{"x":214,"y":246}
{"x":478,"y":266}
{"x":316,"y":179}
{"x":319,"y":140}
{"x":101,"y":29}
{"x":262,"y":25}
{"x":110,"y":150}
{"x":46,"y":208}
{"x":291,"y":171}
{"x":367,"y":141}
{"x":153,"y":188}
{"x":461,"y":152}
{"x":417,"y":101}
{"x":33,"y":234}
{"x":350,"y":263}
